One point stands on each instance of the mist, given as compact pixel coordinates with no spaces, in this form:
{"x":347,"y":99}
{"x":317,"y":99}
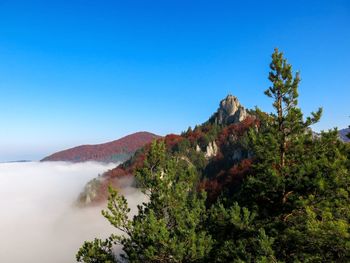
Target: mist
{"x":39,"y":221}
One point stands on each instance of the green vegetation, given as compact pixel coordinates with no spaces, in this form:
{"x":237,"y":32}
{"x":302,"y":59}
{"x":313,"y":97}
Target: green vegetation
{"x":285,"y":199}
{"x":169,"y":227}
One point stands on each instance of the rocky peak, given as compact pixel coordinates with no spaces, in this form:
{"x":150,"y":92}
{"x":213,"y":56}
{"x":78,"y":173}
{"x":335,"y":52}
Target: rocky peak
{"x":230,"y":111}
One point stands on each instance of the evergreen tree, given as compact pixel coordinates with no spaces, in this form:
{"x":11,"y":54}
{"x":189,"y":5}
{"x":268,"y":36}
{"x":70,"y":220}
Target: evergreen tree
{"x":237,"y":237}
{"x":280,"y":143}
{"x":288,"y":122}
{"x":97,"y":251}
{"x":299,"y":186}
{"x":169,"y":227}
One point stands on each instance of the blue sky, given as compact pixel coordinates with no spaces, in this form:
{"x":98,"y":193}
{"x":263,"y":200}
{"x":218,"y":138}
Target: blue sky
{"x":77,"y":72}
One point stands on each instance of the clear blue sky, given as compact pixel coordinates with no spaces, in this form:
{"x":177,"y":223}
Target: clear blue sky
{"x":77,"y":72}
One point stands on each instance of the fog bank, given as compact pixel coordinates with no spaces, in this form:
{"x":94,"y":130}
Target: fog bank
{"x":38,"y":219}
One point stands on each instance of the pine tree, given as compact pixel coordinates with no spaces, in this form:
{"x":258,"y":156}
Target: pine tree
{"x":299,"y":186}
{"x":169,"y":227}
{"x":237,"y":237}
{"x":279,"y":144}
{"x":284,"y":90}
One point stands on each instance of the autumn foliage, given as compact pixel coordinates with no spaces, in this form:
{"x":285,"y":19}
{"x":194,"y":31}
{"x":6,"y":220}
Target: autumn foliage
{"x":115,"y":151}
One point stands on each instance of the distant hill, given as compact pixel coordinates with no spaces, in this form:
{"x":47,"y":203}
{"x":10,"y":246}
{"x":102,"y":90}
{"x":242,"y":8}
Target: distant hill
{"x":115,"y":151}
{"x":343,"y":134}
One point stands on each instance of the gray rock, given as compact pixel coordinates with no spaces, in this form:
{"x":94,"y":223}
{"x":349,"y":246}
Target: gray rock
{"x":90,"y":192}
{"x":211,"y":150}
{"x":230,"y":111}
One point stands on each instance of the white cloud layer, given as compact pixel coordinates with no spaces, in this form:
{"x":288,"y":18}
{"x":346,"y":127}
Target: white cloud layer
{"x":38,"y":219}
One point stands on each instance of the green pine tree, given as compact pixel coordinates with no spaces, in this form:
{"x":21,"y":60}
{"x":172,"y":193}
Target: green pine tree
{"x":299,"y":186}
{"x":169,"y":227}
{"x":237,"y":237}
{"x":288,"y":122}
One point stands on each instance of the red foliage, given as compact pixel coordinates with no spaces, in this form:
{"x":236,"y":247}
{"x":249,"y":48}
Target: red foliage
{"x":193,"y":136}
{"x":206,"y":128}
{"x":222,"y":174}
{"x":238,"y":129}
{"x":236,"y":173}
{"x":229,"y":179}
{"x":212,"y":187}
{"x":171,"y":140}
{"x":100,"y":152}
{"x":126,"y":170}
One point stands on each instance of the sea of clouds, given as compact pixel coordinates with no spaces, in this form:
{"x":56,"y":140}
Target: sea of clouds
{"x":39,"y":221}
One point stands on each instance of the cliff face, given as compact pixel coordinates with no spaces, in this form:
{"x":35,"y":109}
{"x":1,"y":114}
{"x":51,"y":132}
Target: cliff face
{"x":115,"y":151}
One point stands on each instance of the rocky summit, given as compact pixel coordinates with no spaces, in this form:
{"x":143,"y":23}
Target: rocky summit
{"x":230,"y":111}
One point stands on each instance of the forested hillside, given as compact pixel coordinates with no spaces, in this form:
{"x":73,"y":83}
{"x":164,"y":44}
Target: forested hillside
{"x":245,"y":186}
{"x":116,"y":151}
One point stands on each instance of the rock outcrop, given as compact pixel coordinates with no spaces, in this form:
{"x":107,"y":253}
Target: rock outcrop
{"x":90,"y":192}
{"x":230,"y":111}
{"x":211,"y":150}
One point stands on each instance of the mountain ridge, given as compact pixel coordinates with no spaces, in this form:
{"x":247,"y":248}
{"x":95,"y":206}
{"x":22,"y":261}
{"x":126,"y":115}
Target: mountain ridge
{"x":209,"y":145}
{"x":114,"y":151}
{"x":218,"y":146}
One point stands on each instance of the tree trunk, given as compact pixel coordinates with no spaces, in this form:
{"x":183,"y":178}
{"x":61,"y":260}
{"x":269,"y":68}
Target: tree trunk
{"x":281,"y":130}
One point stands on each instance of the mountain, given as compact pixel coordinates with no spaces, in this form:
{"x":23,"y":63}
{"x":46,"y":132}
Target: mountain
{"x":343,"y":135}
{"x":217,"y":147}
{"x":115,"y":151}
{"x":230,"y":111}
